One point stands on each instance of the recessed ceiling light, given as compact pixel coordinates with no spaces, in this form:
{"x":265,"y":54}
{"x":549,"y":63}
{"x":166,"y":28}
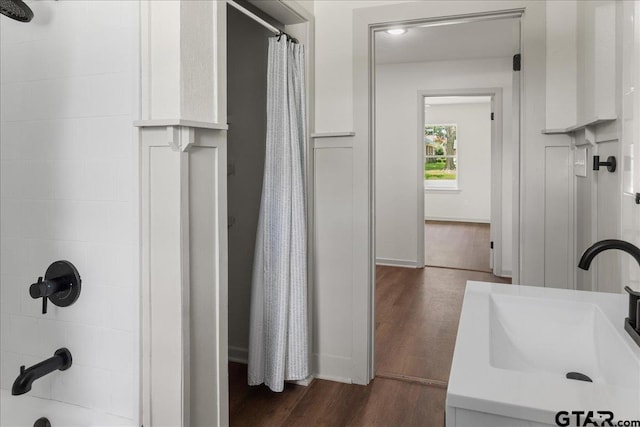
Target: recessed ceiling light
{"x":397,"y":31}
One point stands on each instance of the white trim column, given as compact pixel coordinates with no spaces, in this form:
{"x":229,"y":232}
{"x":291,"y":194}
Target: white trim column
{"x":184,"y":276}
{"x":183,"y":213}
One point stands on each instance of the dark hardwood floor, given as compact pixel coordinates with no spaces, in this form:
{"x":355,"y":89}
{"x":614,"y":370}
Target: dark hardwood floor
{"x":384,"y":402}
{"x":417,"y":313}
{"x":462,"y":245}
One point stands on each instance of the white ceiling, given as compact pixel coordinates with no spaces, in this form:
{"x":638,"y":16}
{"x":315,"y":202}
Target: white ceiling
{"x":484,"y":39}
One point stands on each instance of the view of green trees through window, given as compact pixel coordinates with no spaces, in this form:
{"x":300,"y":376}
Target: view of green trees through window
{"x":440,"y":153}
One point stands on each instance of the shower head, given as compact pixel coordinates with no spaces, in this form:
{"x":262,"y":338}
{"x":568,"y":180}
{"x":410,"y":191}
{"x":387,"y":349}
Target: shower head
{"x":16,"y":9}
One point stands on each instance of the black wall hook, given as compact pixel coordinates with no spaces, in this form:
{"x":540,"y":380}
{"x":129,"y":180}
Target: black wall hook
{"x":610,"y":163}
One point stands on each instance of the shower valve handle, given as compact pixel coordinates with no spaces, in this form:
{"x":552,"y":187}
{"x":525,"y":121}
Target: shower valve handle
{"x":61,"y":285}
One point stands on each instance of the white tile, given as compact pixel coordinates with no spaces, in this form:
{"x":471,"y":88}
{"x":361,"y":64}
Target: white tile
{"x":108,"y":94}
{"x":87,"y":344}
{"x":101,"y":179}
{"x":66,"y":20}
{"x":56,"y":98}
{"x":35,"y":336}
{"x":119,"y":351}
{"x":94,"y":222}
{"x":123,"y":395}
{"x":12,"y":102}
{"x":126,"y":180}
{"x":7,"y":336}
{"x":69,"y":180}
{"x":107,"y":137}
{"x":123,"y":274}
{"x":101,"y":263}
{"x":11,"y":139}
{"x":61,"y":59}
{"x":121,"y":222}
{"x":15,"y":257}
{"x":38,"y":179}
{"x":12,"y":179}
{"x":122,"y":309}
{"x":12,"y":60}
{"x":36,"y":218}
{"x":65,"y":219}
{"x":10,"y":289}
{"x":47,"y":336}
{"x":52,"y":140}
{"x":10,"y":218}
{"x":81,"y":385}
{"x":19,"y":337}
{"x":106,"y":52}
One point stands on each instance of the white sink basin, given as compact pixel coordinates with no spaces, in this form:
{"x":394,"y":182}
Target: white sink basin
{"x":554,"y":337}
{"x":516,"y":344}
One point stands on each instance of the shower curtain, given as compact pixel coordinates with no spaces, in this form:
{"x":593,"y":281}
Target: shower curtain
{"x":278,"y":335}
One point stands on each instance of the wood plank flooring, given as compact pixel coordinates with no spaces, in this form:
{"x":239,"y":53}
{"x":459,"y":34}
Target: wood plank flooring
{"x":417,"y":313}
{"x":462,"y":245}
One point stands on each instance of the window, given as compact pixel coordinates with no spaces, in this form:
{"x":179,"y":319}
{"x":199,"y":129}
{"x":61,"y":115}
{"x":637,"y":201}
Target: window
{"x":441,"y":156}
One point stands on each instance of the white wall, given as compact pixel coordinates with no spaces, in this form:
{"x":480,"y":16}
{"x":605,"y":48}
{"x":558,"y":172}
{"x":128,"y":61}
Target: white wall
{"x":397,"y":87}
{"x":472,"y":202}
{"x":334,"y":58}
{"x":69,"y":191}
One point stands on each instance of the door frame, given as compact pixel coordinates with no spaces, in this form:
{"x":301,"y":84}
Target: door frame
{"x":363,"y":350}
{"x":495,"y":93}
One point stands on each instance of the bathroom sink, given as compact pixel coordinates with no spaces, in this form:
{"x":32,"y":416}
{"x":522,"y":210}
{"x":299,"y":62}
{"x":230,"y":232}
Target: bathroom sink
{"x":555,"y":337}
{"x":516,"y":345}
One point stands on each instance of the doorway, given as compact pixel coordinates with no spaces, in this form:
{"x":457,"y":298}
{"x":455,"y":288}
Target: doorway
{"x":417,"y":309}
{"x":461,"y":136}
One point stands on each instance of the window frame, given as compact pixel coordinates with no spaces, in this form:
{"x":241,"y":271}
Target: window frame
{"x":442,"y":184}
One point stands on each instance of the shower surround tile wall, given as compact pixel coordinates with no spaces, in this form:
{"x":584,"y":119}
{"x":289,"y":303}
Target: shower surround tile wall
{"x":69,"y":191}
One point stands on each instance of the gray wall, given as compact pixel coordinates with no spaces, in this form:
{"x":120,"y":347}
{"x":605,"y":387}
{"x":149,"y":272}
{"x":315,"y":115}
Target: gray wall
{"x":246,"y":90}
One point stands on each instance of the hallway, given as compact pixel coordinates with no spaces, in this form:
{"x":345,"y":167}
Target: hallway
{"x":417,"y":312}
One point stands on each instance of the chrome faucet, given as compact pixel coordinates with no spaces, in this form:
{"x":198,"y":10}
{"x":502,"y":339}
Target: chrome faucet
{"x":61,"y":360}
{"x":631,"y":323}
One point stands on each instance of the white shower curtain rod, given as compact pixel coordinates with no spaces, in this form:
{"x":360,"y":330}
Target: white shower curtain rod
{"x":260,"y":21}
{"x":255,"y":17}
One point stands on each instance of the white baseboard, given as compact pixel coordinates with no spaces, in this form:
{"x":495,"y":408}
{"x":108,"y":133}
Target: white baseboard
{"x":390,"y":262}
{"x":332,"y":368}
{"x":437,"y":218}
{"x":238,"y":355}
{"x":504,"y":273}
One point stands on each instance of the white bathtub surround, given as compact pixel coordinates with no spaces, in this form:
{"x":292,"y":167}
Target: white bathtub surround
{"x":515,"y":345}
{"x":69,"y":171}
{"x":25,"y":410}
{"x":278,"y":336}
